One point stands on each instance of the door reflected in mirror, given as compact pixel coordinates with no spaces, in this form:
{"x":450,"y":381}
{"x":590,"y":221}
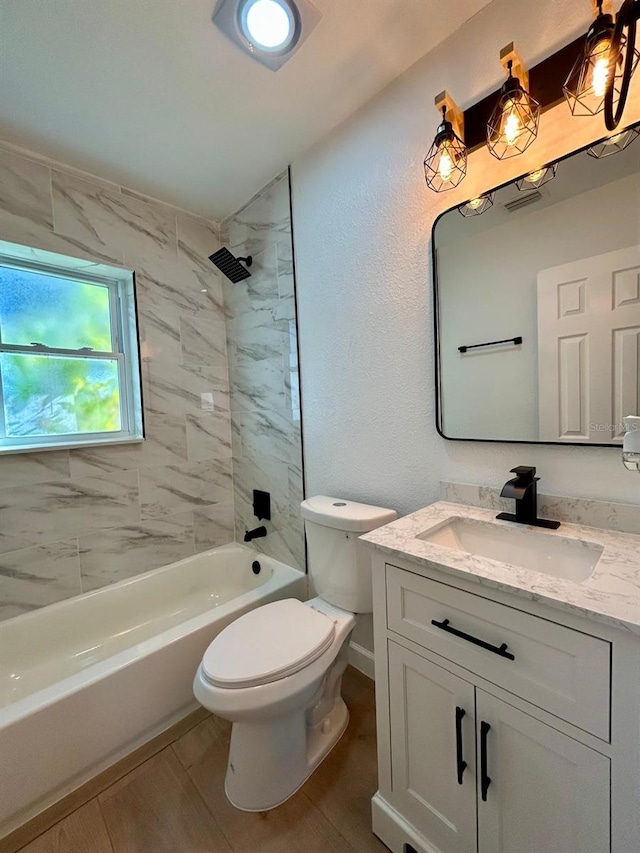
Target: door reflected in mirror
{"x":538,"y":307}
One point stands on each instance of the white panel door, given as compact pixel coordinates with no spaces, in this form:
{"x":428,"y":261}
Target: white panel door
{"x":547,"y":792}
{"x":432,"y":728}
{"x":589,"y":347}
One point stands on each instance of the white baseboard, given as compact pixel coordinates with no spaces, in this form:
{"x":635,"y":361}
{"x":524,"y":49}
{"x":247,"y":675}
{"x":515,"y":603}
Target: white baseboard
{"x":362,"y":659}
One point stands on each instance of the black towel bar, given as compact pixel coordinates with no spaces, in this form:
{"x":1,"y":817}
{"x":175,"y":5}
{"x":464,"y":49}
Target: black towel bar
{"x":515,"y":341}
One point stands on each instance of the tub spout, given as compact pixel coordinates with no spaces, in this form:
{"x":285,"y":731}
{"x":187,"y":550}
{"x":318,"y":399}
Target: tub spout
{"x":257,"y":533}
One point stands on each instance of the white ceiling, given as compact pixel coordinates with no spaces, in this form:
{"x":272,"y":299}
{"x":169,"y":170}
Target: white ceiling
{"x":150,"y":94}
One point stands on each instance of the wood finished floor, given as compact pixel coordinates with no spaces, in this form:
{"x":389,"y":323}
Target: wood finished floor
{"x":175,"y":801}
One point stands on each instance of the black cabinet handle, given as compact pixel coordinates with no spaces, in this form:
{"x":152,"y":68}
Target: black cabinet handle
{"x":497,"y":650}
{"x":485,"y":780}
{"x":460,"y":763}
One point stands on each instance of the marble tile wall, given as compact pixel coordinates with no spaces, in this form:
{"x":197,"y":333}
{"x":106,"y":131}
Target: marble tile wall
{"x":263,"y":373}
{"x":75,"y":521}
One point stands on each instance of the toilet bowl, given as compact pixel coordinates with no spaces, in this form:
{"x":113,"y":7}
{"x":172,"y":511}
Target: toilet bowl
{"x":276,"y":672}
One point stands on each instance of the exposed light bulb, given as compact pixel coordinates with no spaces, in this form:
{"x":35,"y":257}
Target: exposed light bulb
{"x":600,"y":76}
{"x":512,"y":125}
{"x":475,"y":203}
{"x":445,"y":167}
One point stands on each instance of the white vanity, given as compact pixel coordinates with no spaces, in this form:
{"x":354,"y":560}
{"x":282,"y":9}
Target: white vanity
{"x":507,"y":684}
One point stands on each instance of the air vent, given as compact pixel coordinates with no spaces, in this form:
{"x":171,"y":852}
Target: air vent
{"x":523,"y":201}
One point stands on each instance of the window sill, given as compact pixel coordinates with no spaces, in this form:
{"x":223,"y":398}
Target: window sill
{"x":39,"y":448}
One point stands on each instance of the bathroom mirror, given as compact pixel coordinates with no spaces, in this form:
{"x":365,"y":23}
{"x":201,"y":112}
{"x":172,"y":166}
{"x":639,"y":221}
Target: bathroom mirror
{"x":537,"y":304}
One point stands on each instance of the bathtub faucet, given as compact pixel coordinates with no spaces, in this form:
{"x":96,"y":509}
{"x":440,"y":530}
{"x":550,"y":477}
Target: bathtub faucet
{"x":258,"y":533}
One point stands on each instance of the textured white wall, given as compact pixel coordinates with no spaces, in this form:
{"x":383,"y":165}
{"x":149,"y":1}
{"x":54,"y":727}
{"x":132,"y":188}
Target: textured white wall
{"x":362,"y":229}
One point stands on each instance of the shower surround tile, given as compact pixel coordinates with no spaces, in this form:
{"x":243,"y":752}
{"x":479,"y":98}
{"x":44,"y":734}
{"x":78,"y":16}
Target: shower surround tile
{"x":267,"y":433}
{"x":267,"y":474}
{"x":258,"y":385}
{"x":191,"y":485}
{"x":203,"y":341}
{"x":109,"y":556}
{"x":197,"y":239}
{"x":159,"y":335}
{"x":174,"y":289}
{"x":25,"y":193}
{"x":208,"y":436}
{"x":46,"y":512}
{"x":51,"y":499}
{"x":165,"y":444}
{"x":213,"y":525}
{"x":109,"y":222}
{"x":177,"y":389}
{"x":35,"y":577}
{"x":23,"y":469}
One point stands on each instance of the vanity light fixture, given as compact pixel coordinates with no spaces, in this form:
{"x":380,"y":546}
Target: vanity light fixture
{"x":513,"y":124}
{"x":268,"y":30}
{"x":477,"y":206}
{"x":614,"y":144}
{"x":625,"y":55}
{"x":586,"y":85}
{"x":446,"y":162}
{"x":537,"y":179}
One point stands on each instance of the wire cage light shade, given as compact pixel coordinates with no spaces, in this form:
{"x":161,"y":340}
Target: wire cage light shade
{"x":446,"y":162}
{"x":586,"y":85}
{"x":513,"y":124}
{"x":614,"y":144}
{"x":477,"y":206}
{"x":538,"y":178}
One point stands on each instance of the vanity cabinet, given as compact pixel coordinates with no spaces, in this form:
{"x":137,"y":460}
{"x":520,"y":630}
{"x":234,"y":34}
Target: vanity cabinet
{"x":470,"y":772}
{"x":498,"y":730}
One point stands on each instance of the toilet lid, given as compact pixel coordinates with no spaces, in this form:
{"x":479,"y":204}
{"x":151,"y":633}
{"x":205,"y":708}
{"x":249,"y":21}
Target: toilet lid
{"x":267,"y":644}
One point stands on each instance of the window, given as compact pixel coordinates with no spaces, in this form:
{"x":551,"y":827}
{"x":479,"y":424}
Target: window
{"x":69,"y":367}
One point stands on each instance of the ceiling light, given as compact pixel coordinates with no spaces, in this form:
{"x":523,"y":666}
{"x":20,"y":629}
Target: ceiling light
{"x":513,"y":124}
{"x":446,"y":162}
{"x":270,"y":31}
{"x":268,"y":24}
{"x":537,"y":179}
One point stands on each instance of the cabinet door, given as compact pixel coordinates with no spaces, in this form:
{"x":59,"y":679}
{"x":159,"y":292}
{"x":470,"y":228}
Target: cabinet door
{"x":430,"y":738}
{"x":547,"y":792}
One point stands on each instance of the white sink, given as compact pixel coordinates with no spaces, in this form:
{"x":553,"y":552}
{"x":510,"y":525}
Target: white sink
{"x":549,"y":553}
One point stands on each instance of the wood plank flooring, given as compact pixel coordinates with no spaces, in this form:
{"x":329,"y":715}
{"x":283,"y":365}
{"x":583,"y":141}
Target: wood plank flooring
{"x":175,"y":801}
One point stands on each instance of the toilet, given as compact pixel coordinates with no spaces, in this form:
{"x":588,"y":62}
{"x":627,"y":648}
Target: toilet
{"x":276,"y":672}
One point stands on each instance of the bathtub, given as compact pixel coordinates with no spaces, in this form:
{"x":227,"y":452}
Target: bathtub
{"x":86,"y":681}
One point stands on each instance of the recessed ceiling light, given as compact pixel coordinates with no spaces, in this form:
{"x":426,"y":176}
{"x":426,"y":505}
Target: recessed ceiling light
{"x":268,"y":30}
{"x":269,"y":24}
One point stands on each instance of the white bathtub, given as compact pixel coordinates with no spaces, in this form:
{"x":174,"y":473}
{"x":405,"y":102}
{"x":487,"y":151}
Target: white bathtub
{"x":88,"y":680}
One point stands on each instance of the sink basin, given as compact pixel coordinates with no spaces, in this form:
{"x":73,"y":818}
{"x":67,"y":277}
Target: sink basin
{"x":551,"y":554}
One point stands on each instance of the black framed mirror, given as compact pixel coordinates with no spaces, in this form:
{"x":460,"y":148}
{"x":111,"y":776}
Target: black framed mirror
{"x":537,"y":303}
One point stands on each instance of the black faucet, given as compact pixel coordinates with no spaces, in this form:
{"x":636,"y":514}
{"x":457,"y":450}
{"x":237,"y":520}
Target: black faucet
{"x":258,"y":533}
{"x":524,"y":489}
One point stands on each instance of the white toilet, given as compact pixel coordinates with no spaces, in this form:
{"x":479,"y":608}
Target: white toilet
{"x":276,"y":672}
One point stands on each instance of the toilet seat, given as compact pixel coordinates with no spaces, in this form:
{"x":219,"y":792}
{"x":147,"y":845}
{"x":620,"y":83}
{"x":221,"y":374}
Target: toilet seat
{"x":267,"y":644}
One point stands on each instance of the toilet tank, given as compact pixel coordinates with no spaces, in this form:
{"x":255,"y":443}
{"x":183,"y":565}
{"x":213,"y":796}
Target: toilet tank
{"x":340,"y":565}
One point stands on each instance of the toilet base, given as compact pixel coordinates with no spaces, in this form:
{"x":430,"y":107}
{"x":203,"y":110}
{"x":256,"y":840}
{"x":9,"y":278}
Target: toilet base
{"x":267,"y":766}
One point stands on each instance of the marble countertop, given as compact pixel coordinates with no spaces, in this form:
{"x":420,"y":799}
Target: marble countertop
{"x":611,"y":594}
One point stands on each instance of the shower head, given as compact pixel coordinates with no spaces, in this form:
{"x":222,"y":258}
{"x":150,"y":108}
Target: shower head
{"x":230,"y":266}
